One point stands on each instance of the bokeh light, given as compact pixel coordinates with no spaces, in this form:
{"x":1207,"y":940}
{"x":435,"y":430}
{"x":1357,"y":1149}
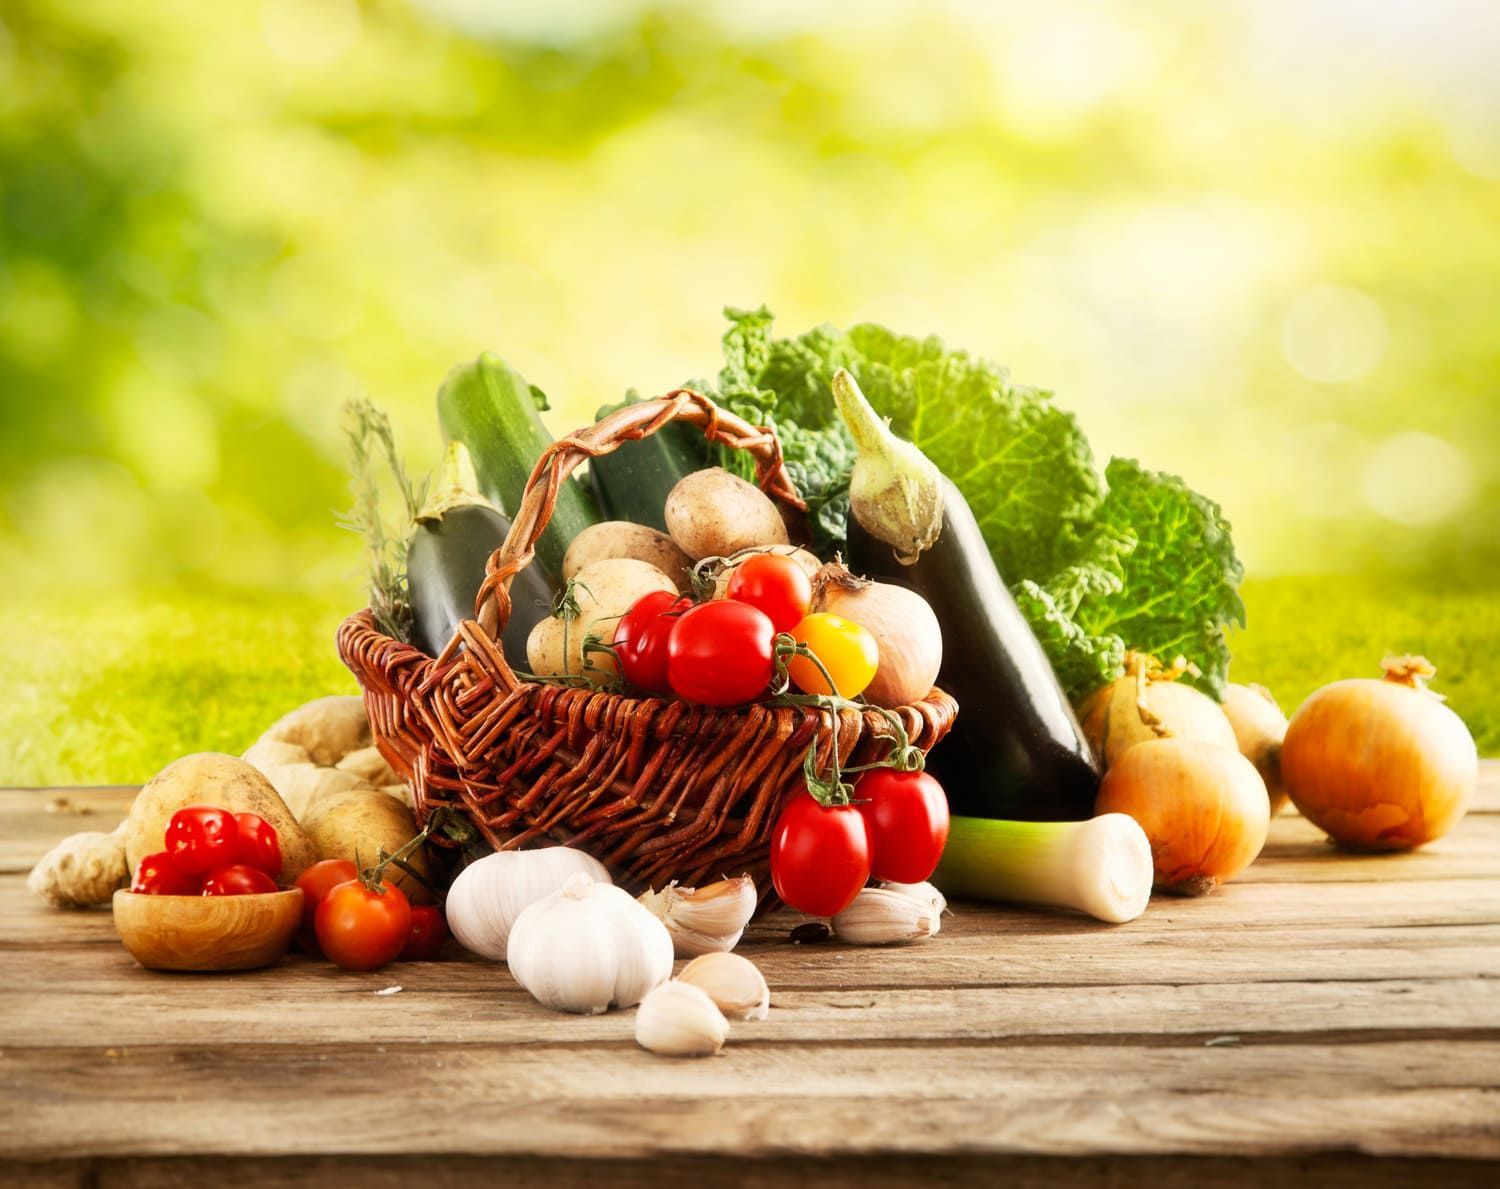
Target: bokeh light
{"x":1251,"y":242}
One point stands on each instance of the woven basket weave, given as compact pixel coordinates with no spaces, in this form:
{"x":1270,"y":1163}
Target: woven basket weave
{"x":656,"y":789}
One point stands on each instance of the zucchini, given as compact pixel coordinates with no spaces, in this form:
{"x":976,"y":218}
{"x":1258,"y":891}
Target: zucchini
{"x":445,"y":564}
{"x":493,"y":411}
{"x":633,"y":482}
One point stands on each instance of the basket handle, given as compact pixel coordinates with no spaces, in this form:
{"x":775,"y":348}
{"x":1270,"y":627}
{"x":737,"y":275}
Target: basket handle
{"x":629,"y":424}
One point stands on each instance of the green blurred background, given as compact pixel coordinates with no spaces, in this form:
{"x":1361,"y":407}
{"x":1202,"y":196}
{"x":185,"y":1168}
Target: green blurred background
{"x":1256,"y":242}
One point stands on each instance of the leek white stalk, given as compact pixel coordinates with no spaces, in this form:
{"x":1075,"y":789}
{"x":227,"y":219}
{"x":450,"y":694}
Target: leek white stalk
{"x":1101,"y":866}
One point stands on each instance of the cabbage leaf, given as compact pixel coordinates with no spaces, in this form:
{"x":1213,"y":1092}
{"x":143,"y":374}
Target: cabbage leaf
{"x":1134,"y":559}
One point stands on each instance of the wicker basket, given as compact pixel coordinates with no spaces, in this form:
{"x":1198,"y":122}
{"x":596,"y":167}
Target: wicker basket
{"x":656,"y":789}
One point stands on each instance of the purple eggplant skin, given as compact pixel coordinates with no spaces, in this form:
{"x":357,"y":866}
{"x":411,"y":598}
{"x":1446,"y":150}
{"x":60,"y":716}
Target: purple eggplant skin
{"x":445,"y":565}
{"x":1016,"y":751}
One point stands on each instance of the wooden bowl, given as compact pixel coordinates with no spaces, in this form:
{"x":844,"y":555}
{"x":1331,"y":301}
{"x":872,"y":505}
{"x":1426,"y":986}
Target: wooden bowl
{"x":208,"y":932}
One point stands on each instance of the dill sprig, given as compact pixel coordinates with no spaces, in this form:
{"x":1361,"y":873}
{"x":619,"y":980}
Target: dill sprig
{"x":372,"y":446}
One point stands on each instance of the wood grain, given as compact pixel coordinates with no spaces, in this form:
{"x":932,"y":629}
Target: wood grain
{"x":1326,"y":1017}
{"x":950,"y":1169}
{"x":1404,"y":1097}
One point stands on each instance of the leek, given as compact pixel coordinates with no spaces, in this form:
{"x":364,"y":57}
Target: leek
{"x":1101,"y":866}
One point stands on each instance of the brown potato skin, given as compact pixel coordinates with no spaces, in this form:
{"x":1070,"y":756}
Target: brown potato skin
{"x":712,"y":513}
{"x":211,"y":778}
{"x":329,"y":728}
{"x":620,"y":538}
{"x":358,"y":824}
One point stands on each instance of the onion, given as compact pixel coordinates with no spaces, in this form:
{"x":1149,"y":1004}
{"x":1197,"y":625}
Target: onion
{"x":1203,"y":807}
{"x":1148,"y":703}
{"x":1380,"y":764}
{"x":903,"y":624}
{"x":1260,"y":727}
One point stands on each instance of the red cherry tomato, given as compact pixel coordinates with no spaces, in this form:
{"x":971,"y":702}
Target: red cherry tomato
{"x":258,"y":845}
{"x":773,"y":584}
{"x":316,"y":882}
{"x":640,"y":639}
{"x":820,"y":857}
{"x":202,"y":838}
{"x":360,"y":928}
{"x":721,"y":653}
{"x":428,"y":932}
{"x":158,"y":876}
{"x":238,"y":880}
{"x":906,"y":814}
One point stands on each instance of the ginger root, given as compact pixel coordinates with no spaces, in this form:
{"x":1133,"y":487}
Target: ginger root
{"x":82,"y":870}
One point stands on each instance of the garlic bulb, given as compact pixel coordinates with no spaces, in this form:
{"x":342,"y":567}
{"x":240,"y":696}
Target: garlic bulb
{"x":490,"y":894}
{"x":588,"y":947}
{"x":735,"y":984}
{"x":883,"y":916}
{"x":680,"y":1020}
{"x":707,"y":919}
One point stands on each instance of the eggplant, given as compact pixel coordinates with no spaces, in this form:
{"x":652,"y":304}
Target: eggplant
{"x":1016,"y":751}
{"x":445,"y":565}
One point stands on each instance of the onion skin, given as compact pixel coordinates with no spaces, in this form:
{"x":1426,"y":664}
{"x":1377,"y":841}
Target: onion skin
{"x":1380,"y":764}
{"x":1203,"y":807}
{"x":904,"y":626}
{"x":1112,"y":721}
{"x":1259,"y":726}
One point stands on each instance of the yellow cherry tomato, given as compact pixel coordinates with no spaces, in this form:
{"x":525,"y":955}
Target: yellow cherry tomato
{"x":847,"y":651}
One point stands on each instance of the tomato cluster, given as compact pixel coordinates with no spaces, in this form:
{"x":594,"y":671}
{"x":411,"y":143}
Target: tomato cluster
{"x":361,"y":925}
{"x":894,"y":829}
{"x":723,"y":652}
{"x":212,"y":852}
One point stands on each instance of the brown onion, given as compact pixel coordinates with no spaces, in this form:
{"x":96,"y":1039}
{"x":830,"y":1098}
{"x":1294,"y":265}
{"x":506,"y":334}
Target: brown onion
{"x":1259,"y":726}
{"x":1149,"y":703}
{"x":1380,"y":764}
{"x":1203,"y":807}
{"x":903,"y":624}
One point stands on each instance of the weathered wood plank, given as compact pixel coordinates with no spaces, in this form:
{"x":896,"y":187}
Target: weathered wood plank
{"x":1296,"y":852}
{"x":1333,"y":1169}
{"x":1412,"y":1098}
{"x":1237,"y":908}
{"x":315,"y":1006}
{"x":981,"y":945}
{"x":1104,"y":958}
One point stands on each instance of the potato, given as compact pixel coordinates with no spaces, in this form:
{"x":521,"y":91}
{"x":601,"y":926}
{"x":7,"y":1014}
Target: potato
{"x":604,"y":592}
{"x":329,"y":728}
{"x":210,"y":778}
{"x":809,"y":563}
{"x":271,"y":753}
{"x":620,"y":538}
{"x":358,"y":824}
{"x":368,"y":763}
{"x":712,"y":513}
{"x":301,"y":786}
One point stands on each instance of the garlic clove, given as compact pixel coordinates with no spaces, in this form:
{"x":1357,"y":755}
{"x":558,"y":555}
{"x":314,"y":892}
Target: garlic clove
{"x":923,"y":892}
{"x":705,"y":920}
{"x":680,"y":1020}
{"x":880,"y":916}
{"x":734,"y":983}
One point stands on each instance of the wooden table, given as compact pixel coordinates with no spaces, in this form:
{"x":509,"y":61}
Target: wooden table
{"x":1326,"y":1016}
